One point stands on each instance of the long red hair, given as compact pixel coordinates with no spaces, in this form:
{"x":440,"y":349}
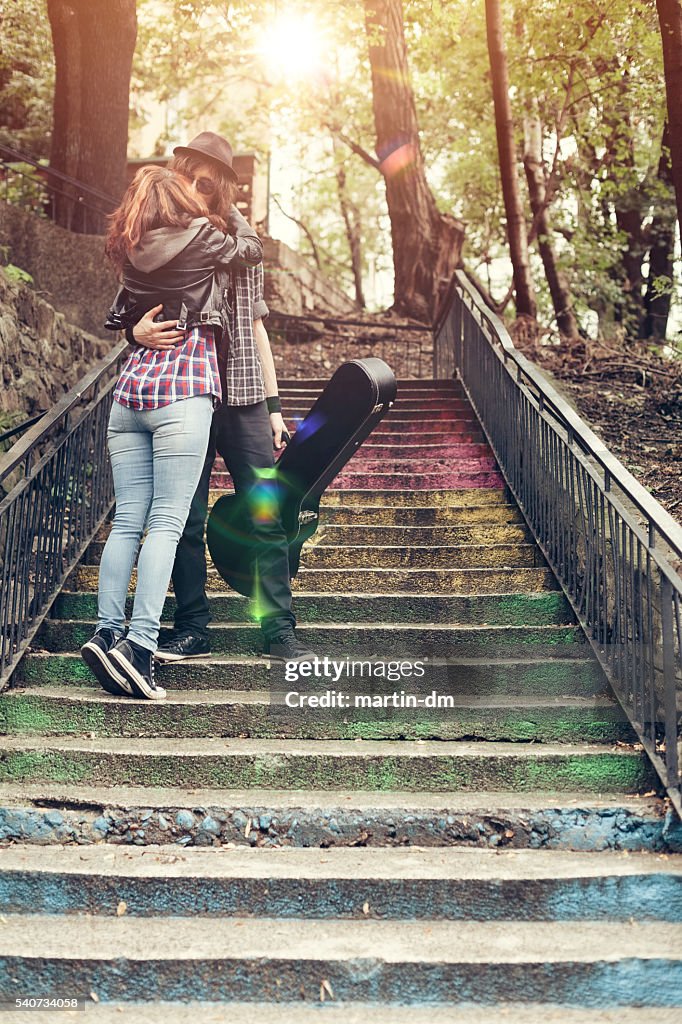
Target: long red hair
{"x":156,"y":198}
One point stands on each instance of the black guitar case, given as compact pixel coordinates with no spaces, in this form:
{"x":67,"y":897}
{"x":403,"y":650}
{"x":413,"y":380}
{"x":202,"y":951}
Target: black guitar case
{"x":356,"y":398}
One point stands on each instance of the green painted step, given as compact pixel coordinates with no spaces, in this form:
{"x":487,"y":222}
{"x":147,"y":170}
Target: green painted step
{"x":555,"y":677}
{"x":382,"y":581}
{"x":433,"y":766}
{"x":461,"y":556}
{"x":259,"y":714}
{"x":548,"y":608}
{"x":366,"y":639}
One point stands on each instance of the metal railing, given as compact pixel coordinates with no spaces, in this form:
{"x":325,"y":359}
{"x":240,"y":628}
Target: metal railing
{"x":26,"y":182}
{"x":407,"y":348}
{"x":615,"y":550}
{"x":59,"y":491}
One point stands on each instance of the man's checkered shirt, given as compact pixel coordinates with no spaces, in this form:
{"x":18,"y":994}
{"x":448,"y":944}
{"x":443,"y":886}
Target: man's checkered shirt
{"x":242,"y":303}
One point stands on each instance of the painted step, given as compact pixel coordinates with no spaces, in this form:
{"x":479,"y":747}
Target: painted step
{"x":404,"y":640}
{"x":400,"y":516}
{"x":420,"y":481}
{"x":405,"y":449}
{"x":406,"y":452}
{"x":268,"y":715}
{"x":406,"y":383}
{"x":421,"y":467}
{"x":412,"y":766}
{"x":400,"y":482}
{"x":391,"y":514}
{"x":456,"y":556}
{"x":383,"y":581}
{"x":300,"y":391}
{"x":431,"y":405}
{"x":491,"y":677}
{"x":357,"y":1013}
{"x":550,"y":608}
{"x":408,"y":962}
{"x":433,"y":430}
{"x":430,"y":408}
{"x":466,"y":555}
{"x":463,"y":497}
{"x":381,"y":536}
{"x":66,"y":812}
{"x":419,"y":536}
{"x":428,"y":419}
{"x":452,"y":884}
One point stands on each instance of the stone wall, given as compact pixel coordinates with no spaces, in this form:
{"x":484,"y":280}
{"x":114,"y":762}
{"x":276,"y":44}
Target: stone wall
{"x":293,"y":285}
{"x":69,"y":271}
{"x":41,"y":355}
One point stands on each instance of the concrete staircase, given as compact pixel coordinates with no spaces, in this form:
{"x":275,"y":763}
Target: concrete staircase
{"x":509,"y":853}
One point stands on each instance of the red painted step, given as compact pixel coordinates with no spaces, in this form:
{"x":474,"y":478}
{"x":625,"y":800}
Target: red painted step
{"x":415,"y":480}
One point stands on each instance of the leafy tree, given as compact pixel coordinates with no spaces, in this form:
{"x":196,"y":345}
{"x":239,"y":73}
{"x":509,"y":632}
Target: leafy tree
{"x":26,"y":76}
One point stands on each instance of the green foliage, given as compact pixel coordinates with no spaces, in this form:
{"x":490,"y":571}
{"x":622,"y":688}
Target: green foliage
{"x":26,"y":76}
{"x":18,"y":275}
{"x":589,"y":70}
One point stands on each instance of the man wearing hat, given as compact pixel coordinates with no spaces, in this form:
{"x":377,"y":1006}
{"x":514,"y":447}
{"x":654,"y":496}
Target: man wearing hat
{"x":244,"y":427}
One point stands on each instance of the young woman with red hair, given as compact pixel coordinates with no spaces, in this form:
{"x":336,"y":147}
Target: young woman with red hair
{"x":166,"y":246}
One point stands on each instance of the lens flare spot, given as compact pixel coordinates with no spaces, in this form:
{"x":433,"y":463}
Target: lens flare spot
{"x":311,"y":424}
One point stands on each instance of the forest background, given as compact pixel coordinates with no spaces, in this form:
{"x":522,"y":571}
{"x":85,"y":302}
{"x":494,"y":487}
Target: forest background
{"x":536,"y":143}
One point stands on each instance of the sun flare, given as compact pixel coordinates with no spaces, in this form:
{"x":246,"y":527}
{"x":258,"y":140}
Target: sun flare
{"x":293,"y":46}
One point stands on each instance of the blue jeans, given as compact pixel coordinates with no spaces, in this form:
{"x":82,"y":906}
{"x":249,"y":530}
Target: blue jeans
{"x":156,"y":456}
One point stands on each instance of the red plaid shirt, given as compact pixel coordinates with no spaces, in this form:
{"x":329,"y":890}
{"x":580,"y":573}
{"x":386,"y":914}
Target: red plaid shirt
{"x":151,"y":379}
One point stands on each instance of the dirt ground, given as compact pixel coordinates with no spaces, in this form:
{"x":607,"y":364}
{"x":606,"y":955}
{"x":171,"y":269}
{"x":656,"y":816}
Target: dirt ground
{"x":632,"y":399}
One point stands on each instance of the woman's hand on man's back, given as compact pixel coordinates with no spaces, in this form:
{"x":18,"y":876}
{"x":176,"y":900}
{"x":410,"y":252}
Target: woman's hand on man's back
{"x":160,"y":336}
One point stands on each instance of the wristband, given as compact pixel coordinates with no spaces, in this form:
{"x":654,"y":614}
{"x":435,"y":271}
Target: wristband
{"x":274,"y":404}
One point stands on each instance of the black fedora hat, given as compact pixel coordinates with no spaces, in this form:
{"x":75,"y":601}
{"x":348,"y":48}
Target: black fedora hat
{"x":211,"y":147}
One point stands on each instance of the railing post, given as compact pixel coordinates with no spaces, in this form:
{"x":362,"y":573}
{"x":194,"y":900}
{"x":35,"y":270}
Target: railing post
{"x":669,"y":683}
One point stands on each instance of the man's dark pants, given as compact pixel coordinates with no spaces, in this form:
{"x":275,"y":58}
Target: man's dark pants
{"x":242,"y":435}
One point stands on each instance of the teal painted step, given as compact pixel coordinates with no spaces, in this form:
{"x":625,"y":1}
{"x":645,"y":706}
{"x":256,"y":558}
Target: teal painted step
{"x":556,"y":677}
{"x":455,"y":884}
{"x":327,"y":764}
{"x":365,"y":639}
{"x":66,"y":813}
{"x":599,"y":964}
{"x":550,"y":608}
{"x":199,"y":714}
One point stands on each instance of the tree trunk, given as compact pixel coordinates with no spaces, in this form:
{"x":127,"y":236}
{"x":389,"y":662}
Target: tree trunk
{"x":351,"y":220}
{"x":558,"y":285}
{"x":427,"y":244}
{"x":516,"y":224}
{"x":670,"y":19}
{"x":94,"y":42}
{"x":662,"y":235}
